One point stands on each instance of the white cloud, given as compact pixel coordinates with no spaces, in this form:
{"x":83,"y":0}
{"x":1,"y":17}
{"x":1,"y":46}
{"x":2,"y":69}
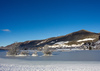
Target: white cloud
{"x":6,"y":30}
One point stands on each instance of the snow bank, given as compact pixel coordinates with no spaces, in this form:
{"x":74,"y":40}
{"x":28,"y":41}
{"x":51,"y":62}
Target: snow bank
{"x":62,"y":42}
{"x":17,"y":55}
{"x":42,"y":42}
{"x":64,"y":45}
{"x":51,"y":67}
{"x":98,"y":42}
{"x":34,"y":54}
{"x":86,"y":39}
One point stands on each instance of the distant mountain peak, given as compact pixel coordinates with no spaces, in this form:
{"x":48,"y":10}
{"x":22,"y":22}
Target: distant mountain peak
{"x":83,"y":30}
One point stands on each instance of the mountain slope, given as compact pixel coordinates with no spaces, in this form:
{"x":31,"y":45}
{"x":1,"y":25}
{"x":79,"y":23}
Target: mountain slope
{"x":72,"y":38}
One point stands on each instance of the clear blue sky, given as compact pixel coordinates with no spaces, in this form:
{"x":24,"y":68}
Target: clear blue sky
{"x":22,"y":20}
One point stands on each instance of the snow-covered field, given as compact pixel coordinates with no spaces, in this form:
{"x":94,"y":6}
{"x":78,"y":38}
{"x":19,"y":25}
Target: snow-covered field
{"x":60,"y":61}
{"x":52,"y":67}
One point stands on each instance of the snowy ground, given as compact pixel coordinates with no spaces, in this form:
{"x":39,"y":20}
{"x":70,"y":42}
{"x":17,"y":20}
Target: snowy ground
{"x":51,"y":67}
{"x":60,"y":61}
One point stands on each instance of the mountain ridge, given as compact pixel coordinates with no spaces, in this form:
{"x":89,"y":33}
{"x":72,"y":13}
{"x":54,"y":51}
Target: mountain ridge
{"x":73,"y":37}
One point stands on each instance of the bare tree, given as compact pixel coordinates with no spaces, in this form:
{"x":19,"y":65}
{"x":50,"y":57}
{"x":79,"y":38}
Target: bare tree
{"x":46,"y":50}
{"x":14,"y":50}
{"x":24,"y":53}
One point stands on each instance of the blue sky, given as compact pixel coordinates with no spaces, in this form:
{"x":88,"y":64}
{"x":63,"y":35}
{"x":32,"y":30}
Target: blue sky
{"x":22,"y":20}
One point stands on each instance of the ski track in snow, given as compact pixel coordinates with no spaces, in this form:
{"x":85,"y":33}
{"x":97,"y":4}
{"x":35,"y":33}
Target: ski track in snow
{"x":52,"y":67}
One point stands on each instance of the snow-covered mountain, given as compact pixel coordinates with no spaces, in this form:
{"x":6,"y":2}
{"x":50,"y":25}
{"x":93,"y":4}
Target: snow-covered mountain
{"x":74,"y":39}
